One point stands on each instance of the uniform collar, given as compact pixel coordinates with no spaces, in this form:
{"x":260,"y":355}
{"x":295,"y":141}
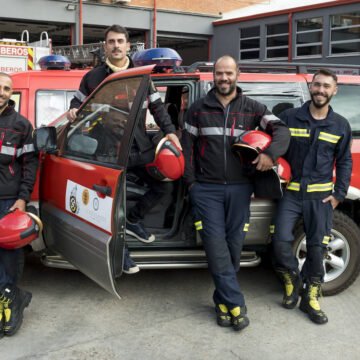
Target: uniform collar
{"x":9,"y":109}
{"x":109,"y":70}
{"x":212,"y":101}
{"x":303,"y":113}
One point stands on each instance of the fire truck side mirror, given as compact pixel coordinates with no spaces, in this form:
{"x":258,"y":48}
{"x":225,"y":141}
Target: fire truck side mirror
{"x":45,"y":139}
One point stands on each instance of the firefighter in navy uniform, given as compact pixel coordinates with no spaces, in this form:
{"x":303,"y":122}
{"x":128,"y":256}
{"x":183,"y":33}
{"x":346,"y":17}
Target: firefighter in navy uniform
{"x":18,"y":164}
{"x":219,"y":189}
{"x":320,"y":139}
{"x":142,"y":152}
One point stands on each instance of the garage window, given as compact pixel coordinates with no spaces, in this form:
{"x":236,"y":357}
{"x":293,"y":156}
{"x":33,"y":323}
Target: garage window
{"x":345,"y":34}
{"x":309,"y":37}
{"x":277,"y":41}
{"x":250,"y":43}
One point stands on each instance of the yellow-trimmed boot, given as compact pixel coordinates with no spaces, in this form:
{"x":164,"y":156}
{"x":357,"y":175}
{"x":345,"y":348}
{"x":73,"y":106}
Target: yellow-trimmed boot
{"x":310,"y":303}
{"x":14,"y":301}
{"x":223,"y":317}
{"x":292,"y":284}
{"x":239,"y":319}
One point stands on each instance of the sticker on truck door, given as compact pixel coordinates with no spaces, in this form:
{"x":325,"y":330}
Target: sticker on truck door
{"x":86,"y":204}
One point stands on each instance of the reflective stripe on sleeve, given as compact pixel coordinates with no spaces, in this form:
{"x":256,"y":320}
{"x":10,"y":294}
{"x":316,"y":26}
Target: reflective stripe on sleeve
{"x":272,"y":229}
{"x":145,"y":105}
{"x":266,"y":119}
{"x":246,"y":227}
{"x":25,"y":149}
{"x":191,"y":129}
{"x":80,"y":96}
{"x":7,"y":150}
{"x":155,"y":96}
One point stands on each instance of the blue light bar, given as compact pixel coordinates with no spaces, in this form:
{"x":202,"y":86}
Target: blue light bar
{"x":162,"y":57}
{"x":54,"y":62}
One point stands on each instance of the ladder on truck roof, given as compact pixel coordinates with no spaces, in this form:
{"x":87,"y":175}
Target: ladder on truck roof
{"x":20,"y":55}
{"x":87,"y":54}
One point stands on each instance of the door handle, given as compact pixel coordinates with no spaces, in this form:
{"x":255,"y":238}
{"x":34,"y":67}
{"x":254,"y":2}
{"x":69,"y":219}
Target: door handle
{"x":105,"y":190}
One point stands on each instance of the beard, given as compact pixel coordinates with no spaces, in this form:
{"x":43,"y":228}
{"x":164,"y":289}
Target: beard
{"x":318,"y":104}
{"x":225,"y":91}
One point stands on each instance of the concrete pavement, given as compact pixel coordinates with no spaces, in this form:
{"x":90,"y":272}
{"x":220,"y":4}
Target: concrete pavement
{"x":168,"y":314}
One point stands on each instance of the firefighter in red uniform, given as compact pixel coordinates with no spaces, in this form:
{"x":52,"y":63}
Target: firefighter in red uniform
{"x":18,"y":164}
{"x":142,"y":152}
{"x":320,"y":138}
{"x":220,"y":191}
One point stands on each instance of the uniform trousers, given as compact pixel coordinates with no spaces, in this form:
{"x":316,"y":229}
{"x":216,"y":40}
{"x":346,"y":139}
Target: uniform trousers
{"x":9,"y":259}
{"x":222,"y":213}
{"x":317,"y":218}
{"x":157,"y":190}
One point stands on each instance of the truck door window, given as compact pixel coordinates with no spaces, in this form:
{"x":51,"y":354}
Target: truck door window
{"x":276,"y":96}
{"x":17,"y":98}
{"x":50,"y":104}
{"x":175,"y":100}
{"x":344,"y":103}
{"x":97,"y":133}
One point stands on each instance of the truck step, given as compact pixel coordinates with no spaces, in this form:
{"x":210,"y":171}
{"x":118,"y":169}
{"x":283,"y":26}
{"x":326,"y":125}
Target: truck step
{"x":172,"y":259}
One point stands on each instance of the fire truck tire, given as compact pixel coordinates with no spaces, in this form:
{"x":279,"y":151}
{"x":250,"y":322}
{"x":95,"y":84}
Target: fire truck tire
{"x":342,"y":259}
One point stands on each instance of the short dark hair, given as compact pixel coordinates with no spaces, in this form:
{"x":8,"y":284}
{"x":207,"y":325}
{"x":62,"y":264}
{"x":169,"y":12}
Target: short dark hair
{"x":325,"y":72}
{"x":118,"y":29}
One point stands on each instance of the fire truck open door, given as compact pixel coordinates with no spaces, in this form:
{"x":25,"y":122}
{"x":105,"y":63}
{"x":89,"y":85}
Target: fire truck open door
{"x":82,"y":191}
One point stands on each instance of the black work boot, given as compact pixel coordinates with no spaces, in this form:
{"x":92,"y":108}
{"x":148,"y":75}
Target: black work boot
{"x":292,"y":284}
{"x":223,"y":317}
{"x":239,"y":319}
{"x":310,"y":304}
{"x":14,"y":301}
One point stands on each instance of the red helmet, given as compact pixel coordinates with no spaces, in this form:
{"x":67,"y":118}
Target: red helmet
{"x":18,"y":228}
{"x":283,"y":170}
{"x":169,"y":163}
{"x":267,"y":184}
{"x":250,"y":144}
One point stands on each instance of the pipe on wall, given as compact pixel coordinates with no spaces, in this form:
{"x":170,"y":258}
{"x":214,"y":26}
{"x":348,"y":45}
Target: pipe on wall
{"x":154,"y":40}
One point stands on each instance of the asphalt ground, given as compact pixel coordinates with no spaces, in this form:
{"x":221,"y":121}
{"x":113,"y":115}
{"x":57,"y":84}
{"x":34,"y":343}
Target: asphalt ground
{"x":168,"y":314}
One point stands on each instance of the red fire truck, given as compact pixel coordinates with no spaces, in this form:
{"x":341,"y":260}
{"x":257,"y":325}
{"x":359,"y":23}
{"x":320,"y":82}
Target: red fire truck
{"x":84,"y":196}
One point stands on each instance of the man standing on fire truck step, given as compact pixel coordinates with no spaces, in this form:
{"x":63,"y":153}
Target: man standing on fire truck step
{"x":18,"y":164}
{"x":320,"y":138}
{"x":219,"y":190}
{"x":142,"y":152}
